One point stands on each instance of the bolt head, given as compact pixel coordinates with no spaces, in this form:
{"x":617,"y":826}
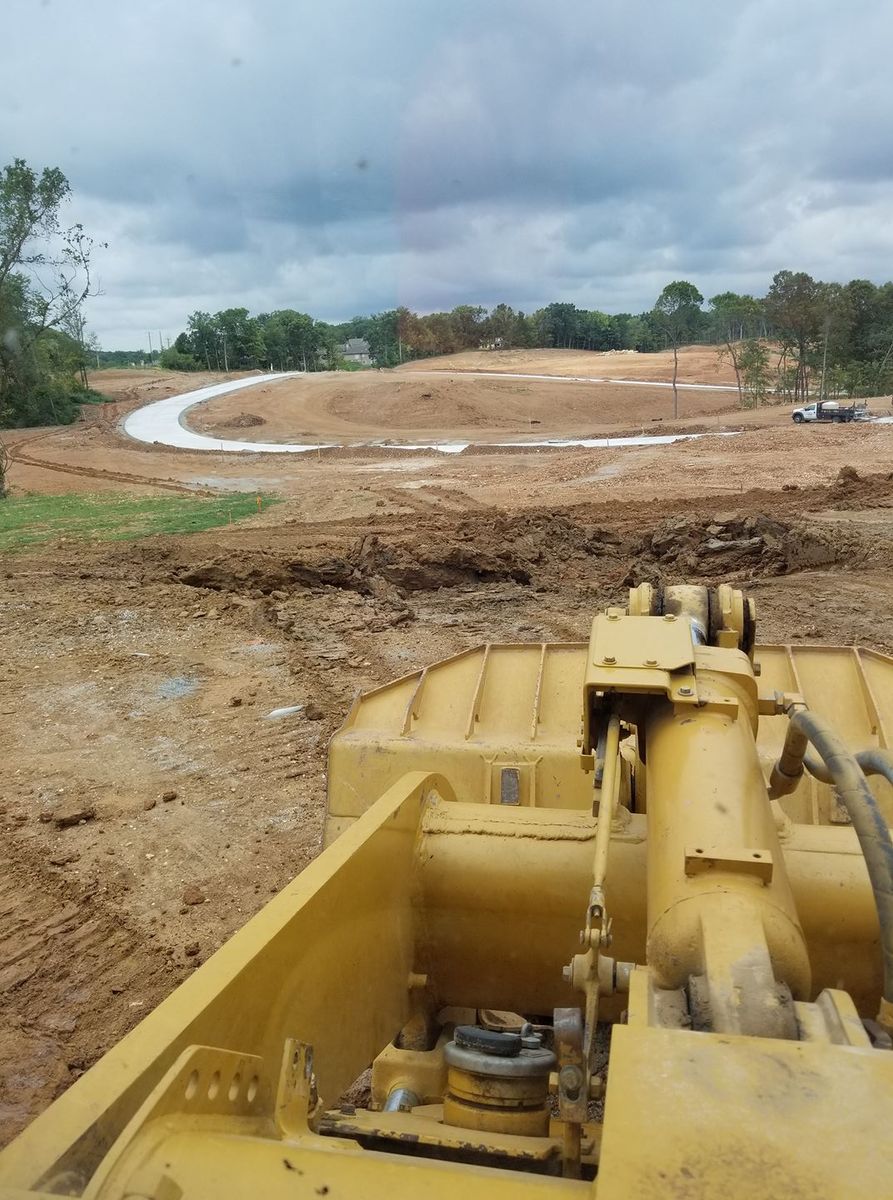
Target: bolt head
{"x":685,"y":691}
{"x":609,"y":658}
{"x":570,"y":1080}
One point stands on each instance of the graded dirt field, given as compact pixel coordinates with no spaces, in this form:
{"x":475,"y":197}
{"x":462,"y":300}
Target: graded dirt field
{"x":427,"y":398}
{"x":137,"y":677}
{"x":403,"y":406}
{"x":697,"y":364}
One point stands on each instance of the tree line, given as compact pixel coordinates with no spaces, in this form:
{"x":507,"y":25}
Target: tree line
{"x":291,"y":340}
{"x":803,"y":337}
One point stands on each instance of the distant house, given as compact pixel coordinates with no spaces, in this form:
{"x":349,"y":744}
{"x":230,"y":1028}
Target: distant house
{"x":356,"y":350}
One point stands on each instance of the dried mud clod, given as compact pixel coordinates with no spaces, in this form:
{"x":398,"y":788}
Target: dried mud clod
{"x":728,"y":545}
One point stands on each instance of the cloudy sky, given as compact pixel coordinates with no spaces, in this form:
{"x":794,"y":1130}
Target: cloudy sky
{"x":345,"y":156}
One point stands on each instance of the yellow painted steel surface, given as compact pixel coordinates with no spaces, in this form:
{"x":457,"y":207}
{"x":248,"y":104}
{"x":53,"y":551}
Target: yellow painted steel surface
{"x":706,"y":794}
{"x":519,"y":705}
{"x":744,"y":1117}
{"x":459,"y":879}
{"x":293,"y":969}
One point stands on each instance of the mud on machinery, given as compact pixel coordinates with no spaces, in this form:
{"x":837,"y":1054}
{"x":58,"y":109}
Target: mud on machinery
{"x":699,"y":870}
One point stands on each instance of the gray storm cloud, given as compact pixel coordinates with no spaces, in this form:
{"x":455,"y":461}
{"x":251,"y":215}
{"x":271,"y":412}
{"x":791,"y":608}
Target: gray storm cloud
{"x":346,"y":157}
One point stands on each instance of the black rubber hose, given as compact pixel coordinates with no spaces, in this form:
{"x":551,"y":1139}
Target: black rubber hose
{"x":868,"y":821}
{"x":872,"y":762}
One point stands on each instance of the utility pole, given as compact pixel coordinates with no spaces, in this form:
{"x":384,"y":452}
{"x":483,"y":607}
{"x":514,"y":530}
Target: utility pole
{"x":822,"y":393}
{"x":225,"y":360}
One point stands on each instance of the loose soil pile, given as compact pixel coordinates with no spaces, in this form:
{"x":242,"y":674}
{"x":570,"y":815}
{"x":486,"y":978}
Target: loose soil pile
{"x":244,"y":420}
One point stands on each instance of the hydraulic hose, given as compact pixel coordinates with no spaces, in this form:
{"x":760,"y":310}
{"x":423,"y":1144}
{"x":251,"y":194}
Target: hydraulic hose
{"x":847,"y":775}
{"x":872,"y":762}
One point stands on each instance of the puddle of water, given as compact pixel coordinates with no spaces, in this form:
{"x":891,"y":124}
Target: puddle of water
{"x":244,"y":483}
{"x":403,"y":465}
{"x":606,"y":472}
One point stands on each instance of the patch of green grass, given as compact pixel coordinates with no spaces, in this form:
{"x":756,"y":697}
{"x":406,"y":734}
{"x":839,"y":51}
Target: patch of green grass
{"x":30,"y":520}
{"x":90,"y":396}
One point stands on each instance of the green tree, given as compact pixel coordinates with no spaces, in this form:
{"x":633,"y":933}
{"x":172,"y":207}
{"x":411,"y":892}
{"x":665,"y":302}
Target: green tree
{"x":796,"y":307}
{"x":733,"y":319}
{"x":202,"y":338}
{"x":753,"y":371}
{"x":175,"y":360}
{"x":677,"y":314}
{"x":44,"y":280}
{"x":502,"y":326}
{"x":559,"y":325}
{"x":468,"y":324}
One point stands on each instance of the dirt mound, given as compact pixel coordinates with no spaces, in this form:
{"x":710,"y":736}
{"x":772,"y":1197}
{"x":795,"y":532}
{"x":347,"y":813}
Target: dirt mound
{"x":530,"y":547}
{"x":540,"y":549}
{"x":438,"y":565}
{"x":729,"y":545}
{"x":406,"y":568}
{"x":254,"y":573}
{"x":243,"y":420}
{"x":852,"y":490}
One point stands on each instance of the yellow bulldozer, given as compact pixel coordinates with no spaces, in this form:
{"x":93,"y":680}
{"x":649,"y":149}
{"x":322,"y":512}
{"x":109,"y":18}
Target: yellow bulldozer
{"x":610,"y":919}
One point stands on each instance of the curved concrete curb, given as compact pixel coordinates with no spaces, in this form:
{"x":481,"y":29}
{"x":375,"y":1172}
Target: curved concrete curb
{"x":161,"y":423}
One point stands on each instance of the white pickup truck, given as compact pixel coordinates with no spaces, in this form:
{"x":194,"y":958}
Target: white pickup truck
{"x":831,"y":410}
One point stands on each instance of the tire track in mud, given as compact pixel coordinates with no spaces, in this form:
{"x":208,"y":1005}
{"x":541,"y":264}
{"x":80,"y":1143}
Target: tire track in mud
{"x":100,"y":473}
{"x":73,"y":979}
{"x":406,"y":498}
{"x":105,"y":418}
{"x":432,"y":497}
{"x":462,"y":500}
